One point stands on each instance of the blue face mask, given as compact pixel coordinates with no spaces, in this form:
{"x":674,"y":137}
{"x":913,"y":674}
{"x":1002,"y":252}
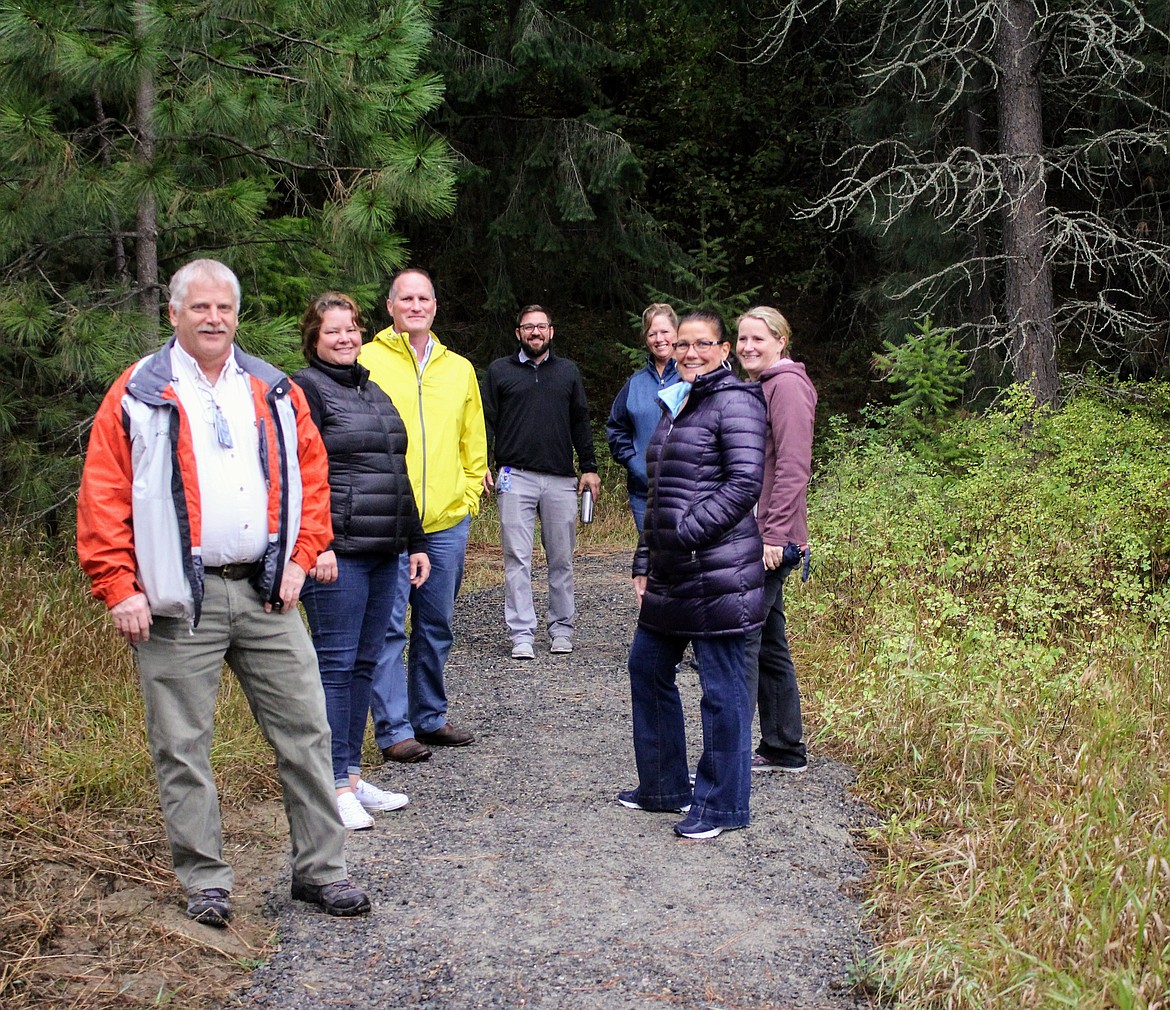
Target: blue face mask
{"x":674,"y":396}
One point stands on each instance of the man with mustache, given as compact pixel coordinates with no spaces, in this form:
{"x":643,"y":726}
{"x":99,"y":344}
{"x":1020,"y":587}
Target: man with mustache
{"x":203,"y":504}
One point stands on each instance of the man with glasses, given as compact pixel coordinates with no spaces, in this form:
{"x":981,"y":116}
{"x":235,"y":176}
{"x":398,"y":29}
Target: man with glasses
{"x":203,"y":505}
{"x":537,"y":416}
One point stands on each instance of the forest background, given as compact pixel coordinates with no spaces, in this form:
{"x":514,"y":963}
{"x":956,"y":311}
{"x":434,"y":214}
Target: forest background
{"x":959,"y":204}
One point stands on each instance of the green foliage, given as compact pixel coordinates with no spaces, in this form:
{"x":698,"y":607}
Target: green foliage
{"x":285,"y":138}
{"x":703,"y":281}
{"x":546,"y":211}
{"x":930,"y":372}
{"x":986,"y":641}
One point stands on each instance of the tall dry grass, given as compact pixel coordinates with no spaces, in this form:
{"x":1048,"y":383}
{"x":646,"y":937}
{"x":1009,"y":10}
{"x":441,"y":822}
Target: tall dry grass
{"x":79,"y":816}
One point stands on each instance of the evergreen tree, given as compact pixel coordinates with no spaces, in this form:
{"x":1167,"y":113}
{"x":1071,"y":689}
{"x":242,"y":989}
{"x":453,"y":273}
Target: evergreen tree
{"x":285,"y":137}
{"x":548,"y":209}
{"x":1013,"y":156}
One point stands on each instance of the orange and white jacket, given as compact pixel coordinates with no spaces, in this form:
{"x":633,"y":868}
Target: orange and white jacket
{"x":139,"y":517}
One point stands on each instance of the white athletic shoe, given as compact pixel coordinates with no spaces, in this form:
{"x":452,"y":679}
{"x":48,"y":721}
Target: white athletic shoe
{"x":379,"y":801}
{"x":353,"y":815}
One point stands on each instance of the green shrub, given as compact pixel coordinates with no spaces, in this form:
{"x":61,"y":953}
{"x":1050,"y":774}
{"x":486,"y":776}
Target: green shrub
{"x":986,"y":641}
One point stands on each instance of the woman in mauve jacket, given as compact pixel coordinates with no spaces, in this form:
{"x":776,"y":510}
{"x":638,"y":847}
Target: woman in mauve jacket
{"x":699,"y":577}
{"x":763,"y":341}
{"x":349,"y":597}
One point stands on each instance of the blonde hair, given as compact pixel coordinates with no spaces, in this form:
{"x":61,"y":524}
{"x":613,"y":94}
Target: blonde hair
{"x":657,"y":309}
{"x":771,"y":318}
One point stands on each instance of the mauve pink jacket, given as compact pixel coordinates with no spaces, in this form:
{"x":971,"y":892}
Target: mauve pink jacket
{"x":791,"y":403}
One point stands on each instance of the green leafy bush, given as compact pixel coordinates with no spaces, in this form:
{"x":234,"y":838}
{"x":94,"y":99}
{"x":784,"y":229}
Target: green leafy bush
{"x":986,"y":641}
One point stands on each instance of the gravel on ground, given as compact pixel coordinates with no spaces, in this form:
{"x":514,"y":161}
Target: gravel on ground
{"x":515,"y":879}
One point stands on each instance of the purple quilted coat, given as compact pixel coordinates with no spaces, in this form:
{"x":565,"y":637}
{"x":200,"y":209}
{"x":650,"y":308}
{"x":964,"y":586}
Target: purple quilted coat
{"x":701,"y":550}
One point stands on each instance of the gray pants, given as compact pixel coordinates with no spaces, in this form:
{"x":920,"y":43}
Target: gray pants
{"x":554,"y":499}
{"x":273,"y":659}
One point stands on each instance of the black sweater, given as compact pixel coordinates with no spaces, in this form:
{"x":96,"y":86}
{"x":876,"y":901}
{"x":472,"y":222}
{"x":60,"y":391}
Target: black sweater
{"x":536,"y":415}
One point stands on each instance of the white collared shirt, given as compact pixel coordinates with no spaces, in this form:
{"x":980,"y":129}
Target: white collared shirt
{"x":233,"y":492}
{"x":422,"y":362}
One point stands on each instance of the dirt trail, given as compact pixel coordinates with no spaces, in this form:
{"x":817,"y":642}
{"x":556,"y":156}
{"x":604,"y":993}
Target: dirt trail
{"x":514,"y":879}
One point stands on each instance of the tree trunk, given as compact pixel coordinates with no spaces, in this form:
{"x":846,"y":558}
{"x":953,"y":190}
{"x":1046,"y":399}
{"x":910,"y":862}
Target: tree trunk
{"x":1028,"y":281}
{"x":987,"y":367}
{"x":120,"y":265}
{"x":146,"y":246}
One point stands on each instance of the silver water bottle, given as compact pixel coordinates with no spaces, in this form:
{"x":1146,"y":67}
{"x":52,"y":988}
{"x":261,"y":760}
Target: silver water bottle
{"x":587,"y":506}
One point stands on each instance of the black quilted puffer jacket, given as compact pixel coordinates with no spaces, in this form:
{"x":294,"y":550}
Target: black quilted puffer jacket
{"x":371,"y":502}
{"x":701,"y":550}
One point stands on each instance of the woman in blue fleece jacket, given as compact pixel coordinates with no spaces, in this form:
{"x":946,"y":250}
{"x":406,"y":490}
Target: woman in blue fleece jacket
{"x":636,"y":410}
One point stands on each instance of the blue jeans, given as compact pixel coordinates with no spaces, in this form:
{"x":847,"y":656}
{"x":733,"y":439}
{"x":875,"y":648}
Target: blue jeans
{"x":412,"y":697}
{"x":638,"y":508}
{"x":723,"y":779}
{"x":348,"y":619}
{"x":772,"y":678}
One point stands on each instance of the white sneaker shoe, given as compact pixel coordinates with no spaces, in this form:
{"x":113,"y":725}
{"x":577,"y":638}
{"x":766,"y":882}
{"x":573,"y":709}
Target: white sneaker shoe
{"x":561,"y":646}
{"x":522,"y":650}
{"x":353,"y":816}
{"x":379,"y":801}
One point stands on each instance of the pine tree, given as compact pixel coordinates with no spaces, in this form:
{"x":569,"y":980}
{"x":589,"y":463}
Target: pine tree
{"x":1013,"y":155}
{"x":285,"y":137}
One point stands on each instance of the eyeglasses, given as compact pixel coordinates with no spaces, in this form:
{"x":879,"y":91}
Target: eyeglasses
{"x":223,"y":433}
{"x":702,"y":346}
{"x":535,"y":327}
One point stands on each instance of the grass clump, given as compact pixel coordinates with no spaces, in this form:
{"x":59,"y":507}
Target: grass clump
{"x":986,"y":642}
{"x":80,"y":805}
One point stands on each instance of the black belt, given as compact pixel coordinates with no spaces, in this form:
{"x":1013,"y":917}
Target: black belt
{"x":235,"y":571}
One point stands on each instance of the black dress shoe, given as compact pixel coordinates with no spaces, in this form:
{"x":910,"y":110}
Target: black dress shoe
{"x":212,"y":906}
{"x":446,"y":736}
{"x":338,"y":898}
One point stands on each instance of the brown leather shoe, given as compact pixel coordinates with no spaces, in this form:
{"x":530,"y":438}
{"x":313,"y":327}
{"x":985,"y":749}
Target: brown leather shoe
{"x":406,"y":751}
{"x":447,"y":736}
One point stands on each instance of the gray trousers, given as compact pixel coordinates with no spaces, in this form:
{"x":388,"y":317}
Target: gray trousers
{"x":554,"y":499}
{"x":273,"y":659}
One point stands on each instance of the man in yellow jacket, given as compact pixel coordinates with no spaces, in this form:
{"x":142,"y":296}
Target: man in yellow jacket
{"x":436,"y":392}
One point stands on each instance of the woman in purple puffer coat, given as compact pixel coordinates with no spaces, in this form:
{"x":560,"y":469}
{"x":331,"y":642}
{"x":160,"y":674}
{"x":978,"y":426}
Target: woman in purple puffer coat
{"x":699,"y":576}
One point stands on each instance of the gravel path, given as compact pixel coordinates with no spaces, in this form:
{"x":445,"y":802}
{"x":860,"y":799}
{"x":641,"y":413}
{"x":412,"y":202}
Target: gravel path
{"x":514,"y":878}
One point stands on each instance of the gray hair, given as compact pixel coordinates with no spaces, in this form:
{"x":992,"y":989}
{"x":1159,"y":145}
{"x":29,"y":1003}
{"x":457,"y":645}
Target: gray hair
{"x":211,"y":270}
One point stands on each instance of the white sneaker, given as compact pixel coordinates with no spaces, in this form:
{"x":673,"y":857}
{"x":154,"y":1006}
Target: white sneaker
{"x":379,"y":801}
{"x":353,"y":816}
{"x":522,"y":650}
{"x":561,"y":646}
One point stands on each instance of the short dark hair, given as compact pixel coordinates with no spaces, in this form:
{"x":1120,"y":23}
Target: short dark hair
{"x":712,"y":319}
{"x":534,"y":308}
{"x":315,"y":314}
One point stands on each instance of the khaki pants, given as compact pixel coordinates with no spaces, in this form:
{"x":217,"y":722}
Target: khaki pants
{"x":273,"y":659}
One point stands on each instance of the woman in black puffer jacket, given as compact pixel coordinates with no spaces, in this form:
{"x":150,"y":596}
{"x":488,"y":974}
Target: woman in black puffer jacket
{"x":350,"y":596}
{"x":699,"y":575}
